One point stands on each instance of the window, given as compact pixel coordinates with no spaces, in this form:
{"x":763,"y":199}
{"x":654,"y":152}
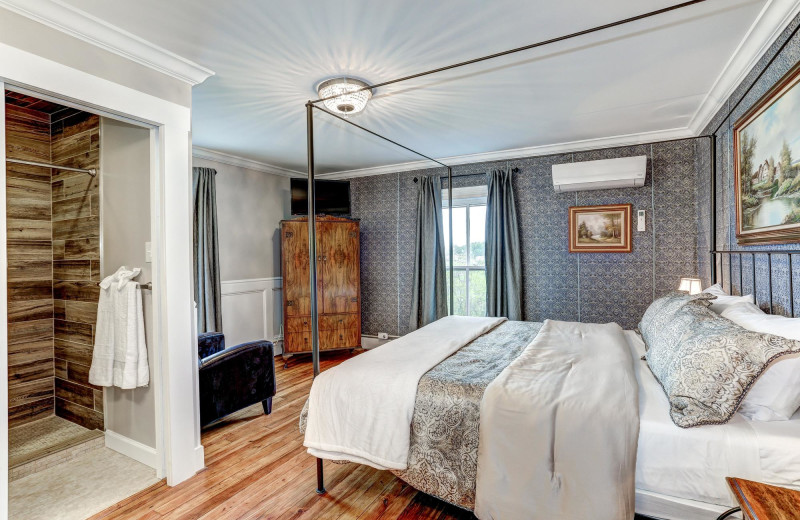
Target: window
{"x":469,"y":249}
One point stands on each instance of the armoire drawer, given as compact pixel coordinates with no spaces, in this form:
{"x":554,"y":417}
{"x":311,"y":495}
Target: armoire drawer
{"x":299,"y":324}
{"x":339,"y":338}
{"x":338,"y":321}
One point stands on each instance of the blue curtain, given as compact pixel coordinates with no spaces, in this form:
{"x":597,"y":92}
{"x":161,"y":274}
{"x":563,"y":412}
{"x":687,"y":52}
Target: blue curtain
{"x":429,"y":292}
{"x":207,"y":293}
{"x":503,"y":264}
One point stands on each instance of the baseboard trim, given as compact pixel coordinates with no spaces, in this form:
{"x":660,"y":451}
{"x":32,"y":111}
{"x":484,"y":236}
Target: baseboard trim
{"x":131,"y":448}
{"x":199,"y":458}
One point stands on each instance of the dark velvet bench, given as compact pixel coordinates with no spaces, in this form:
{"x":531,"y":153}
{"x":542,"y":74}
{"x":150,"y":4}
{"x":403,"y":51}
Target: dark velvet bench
{"x":233,"y":378}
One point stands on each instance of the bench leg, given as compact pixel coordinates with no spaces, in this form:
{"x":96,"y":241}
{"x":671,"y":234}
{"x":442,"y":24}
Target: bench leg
{"x":267,"y":404}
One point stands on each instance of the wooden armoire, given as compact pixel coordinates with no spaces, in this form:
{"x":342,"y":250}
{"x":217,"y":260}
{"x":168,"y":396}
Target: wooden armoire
{"x":338,"y":284}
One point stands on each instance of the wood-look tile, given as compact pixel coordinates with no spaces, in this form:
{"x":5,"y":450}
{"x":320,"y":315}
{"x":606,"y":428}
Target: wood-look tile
{"x":59,"y":310}
{"x":63,"y":148}
{"x":26,"y":393}
{"x":69,"y":124}
{"x":30,"y":351}
{"x":81,"y":312}
{"x":44,"y":106}
{"x":17,"y":188}
{"x":73,"y":352}
{"x":95,"y":199}
{"x":27,"y":113}
{"x":73,"y":185}
{"x":60,"y":366}
{"x":30,"y":331}
{"x":86,"y":160}
{"x":30,"y":290}
{"x":29,"y":249}
{"x":80,"y":374}
{"x":86,"y":417}
{"x":25,"y":269}
{"x":29,"y":209}
{"x":20,"y":415}
{"x":29,"y":229}
{"x":75,"y":393}
{"x":26,"y":171}
{"x":88,"y":248}
{"x":84,"y":227}
{"x":28,"y":150}
{"x":29,"y":310}
{"x":73,"y":332}
{"x":58,"y":117}
{"x":74,"y":207}
{"x":98,"y":400}
{"x":20,"y":124}
{"x":58,"y":249}
{"x":96,"y":270}
{"x":80,"y":291}
{"x":95,"y":144}
{"x":72,"y":270}
{"x":32,"y":371}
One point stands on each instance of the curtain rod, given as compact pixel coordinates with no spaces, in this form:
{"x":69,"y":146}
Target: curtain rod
{"x":527,"y":47}
{"x":513,"y":170}
{"x":90,"y":171}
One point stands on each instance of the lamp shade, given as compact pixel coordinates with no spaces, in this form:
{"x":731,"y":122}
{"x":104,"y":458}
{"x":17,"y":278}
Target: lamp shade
{"x":691,"y":285}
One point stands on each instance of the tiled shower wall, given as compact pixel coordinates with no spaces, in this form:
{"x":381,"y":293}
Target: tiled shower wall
{"x":30,"y":267}
{"x":76,"y":265}
{"x":740,"y":102}
{"x":53,"y":263}
{"x":556,"y":284}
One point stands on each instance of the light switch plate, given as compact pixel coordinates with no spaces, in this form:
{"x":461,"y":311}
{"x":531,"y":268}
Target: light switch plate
{"x":641,"y":225}
{"x":148,"y":252}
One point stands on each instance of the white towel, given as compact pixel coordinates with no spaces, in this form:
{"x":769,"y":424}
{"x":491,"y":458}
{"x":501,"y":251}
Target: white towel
{"x":120,"y":352}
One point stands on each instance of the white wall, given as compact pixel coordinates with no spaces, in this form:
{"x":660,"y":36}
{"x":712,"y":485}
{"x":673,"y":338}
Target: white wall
{"x":125,"y":227}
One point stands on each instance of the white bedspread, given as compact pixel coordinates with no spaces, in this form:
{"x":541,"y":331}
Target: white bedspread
{"x":558,"y":429}
{"x":361,"y":410}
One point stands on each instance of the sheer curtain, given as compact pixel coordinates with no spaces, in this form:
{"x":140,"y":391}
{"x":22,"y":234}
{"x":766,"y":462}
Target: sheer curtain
{"x":429,"y":292}
{"x":503,"y":264}
{"x":206,"y":251}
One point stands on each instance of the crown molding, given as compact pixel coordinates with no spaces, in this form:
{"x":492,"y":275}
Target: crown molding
{"x":93,"y":30}
{"x":521,"y":153}
{"x":768,"y":26}
{"x":235,"y":160}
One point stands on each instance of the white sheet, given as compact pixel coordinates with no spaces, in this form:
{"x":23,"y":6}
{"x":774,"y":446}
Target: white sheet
{"x":349,"y":419}
{"x":558,"y":429}
{"x":693,"y":463}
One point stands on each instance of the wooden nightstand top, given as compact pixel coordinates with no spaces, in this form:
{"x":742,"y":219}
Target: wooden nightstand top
{"x":764,"y":502}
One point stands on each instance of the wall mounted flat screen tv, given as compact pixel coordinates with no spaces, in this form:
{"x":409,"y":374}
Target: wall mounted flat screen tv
{"x":332,"y":197}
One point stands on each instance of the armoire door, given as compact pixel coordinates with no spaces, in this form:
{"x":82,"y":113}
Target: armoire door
{"x":296,"y":271}
{"x":339,"y":269}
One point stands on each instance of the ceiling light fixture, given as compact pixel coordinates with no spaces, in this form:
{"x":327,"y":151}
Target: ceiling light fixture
{"x":346,"y":98}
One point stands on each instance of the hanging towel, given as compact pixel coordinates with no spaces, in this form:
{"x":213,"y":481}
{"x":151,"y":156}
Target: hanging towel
{"x":120,"y":352}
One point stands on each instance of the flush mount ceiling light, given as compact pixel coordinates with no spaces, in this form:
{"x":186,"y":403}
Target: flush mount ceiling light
{"x":346,"y":98}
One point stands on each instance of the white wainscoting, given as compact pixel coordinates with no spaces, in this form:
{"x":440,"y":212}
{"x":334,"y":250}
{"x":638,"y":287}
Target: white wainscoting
{"x":251,"y":310}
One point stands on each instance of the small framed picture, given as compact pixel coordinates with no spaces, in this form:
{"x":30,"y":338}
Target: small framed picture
{"x":600,"y":229}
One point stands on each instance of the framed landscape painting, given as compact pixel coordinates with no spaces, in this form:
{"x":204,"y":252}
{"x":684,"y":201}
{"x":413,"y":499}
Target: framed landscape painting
{"x":766,"y":148}
{"x":600,"y":229}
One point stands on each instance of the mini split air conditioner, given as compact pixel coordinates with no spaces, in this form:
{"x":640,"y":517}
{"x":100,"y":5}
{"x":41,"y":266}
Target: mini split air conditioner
{"x":627,"y":172}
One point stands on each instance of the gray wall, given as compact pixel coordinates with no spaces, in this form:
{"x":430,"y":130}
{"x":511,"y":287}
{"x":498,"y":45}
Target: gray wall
{"x":125,"y":217}
{"x":558,"y":285}
{"x":725,"y":198}
{"x":250,"y":206}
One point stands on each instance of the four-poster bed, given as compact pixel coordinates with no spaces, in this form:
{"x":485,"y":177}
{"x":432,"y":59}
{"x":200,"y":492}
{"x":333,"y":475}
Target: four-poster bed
{"x":715,"y":253}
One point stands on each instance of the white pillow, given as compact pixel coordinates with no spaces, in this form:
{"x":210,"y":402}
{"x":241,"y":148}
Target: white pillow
{"x":775,"y":396}
{"x":724,"y":300}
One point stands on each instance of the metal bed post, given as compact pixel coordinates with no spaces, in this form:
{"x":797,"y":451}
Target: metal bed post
{"x":312,"y":260}
{"x":713,"y":206}
{"x":450,"y":233}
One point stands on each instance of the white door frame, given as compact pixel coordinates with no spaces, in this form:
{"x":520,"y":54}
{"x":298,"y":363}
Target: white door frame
{"x":174,"y":331}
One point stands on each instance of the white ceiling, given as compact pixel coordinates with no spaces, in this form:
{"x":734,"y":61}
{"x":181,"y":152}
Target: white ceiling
{"x":649,"y":76}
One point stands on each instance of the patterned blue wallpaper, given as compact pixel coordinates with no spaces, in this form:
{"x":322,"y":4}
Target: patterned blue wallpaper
{"x":557,"y":284}
{"x":729,"y":267}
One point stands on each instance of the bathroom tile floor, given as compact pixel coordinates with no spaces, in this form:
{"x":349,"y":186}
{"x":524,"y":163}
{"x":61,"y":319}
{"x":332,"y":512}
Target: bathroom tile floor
{"x":79,"y":488}
{"x":45,"y":437}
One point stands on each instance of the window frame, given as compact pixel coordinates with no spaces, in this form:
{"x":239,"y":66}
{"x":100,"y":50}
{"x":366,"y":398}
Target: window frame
{"x":467,"y":204}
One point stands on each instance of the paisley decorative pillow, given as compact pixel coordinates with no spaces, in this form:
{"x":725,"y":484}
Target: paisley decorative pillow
{"x":659,"y":316}
{"x":706,"y":363}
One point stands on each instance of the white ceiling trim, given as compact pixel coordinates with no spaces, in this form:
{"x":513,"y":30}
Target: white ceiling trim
{"x":521,"y":153}
{"x":771,"y":22}
{"x":235,"y":160}
{"x":100,"y":33}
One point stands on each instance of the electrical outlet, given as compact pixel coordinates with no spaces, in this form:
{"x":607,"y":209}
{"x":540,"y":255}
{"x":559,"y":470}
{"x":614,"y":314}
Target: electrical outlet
{"x":383,"y":335}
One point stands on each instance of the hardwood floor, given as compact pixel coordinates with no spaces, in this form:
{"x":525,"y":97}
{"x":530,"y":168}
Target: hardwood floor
{"x":257,"y":468}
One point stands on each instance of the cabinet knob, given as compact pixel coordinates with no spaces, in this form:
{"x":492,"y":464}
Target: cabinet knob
{"x":289,"y":303}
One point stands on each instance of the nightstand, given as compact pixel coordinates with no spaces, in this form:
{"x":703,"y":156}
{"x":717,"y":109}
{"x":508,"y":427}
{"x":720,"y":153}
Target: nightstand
{"x":760,"y":501}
